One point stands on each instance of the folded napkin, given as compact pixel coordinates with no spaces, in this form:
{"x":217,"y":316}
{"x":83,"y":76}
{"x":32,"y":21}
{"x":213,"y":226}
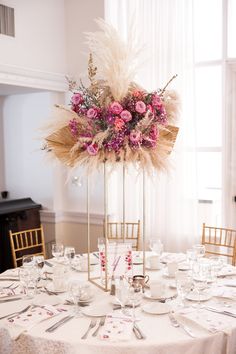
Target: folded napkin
{"x":25,"y":321}
{"x":227,"y":271}
{"x":117,"y":327}
{"x":173,"y":257}
{"x":10,"y":273}
{"x":225,"y":292}
{"x":228,"y":282}
{"x":205,"y":320}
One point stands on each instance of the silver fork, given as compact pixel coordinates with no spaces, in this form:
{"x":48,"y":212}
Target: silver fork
{"x":91,"y":325}
{"x":101,"y":323}
{"x":177,"y":324}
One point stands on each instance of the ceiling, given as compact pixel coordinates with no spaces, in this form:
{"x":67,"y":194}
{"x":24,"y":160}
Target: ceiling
{"x":6,"y":90}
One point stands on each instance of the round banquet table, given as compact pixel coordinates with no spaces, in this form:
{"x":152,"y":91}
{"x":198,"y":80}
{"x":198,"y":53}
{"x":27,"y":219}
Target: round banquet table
{"x":161,"y":336}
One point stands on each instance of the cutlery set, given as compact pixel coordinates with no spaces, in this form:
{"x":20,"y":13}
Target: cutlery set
{"x":177,"y":324}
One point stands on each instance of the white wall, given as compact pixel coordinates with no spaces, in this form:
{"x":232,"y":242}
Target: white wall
{"x":26,"y":171}
{"x":80,"y":15}
{"x":2,"y":148}
{"x":39,"y":41}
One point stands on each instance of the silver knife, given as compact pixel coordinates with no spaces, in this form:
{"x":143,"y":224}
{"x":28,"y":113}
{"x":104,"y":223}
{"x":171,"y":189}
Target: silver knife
{"x":59,"y":323}
{"x":8,"y":300}
{"x":222,"y":312}
{"x":142,"y":335}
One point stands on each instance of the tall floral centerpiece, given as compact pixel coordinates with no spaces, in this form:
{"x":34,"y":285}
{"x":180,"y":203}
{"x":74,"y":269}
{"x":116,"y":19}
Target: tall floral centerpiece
{"x":113,"y":119}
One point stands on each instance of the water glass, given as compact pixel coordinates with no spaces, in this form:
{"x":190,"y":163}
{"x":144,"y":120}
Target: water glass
{"x":69,"y":254}
{"x":57,"y":250}
{"x":191,"y":255}
{"x":156,"y":246}
{"x":77,"y":291}
{"x":28,"y":279}
{"x":184,"y":285}
{"x":135,"y":293}
{"x":28,"y":260}
{"x":200,"y":250}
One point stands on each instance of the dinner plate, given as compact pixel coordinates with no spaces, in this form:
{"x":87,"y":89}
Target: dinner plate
{"x":167,"y":295}
{"x":156,"y":308}
{"x":183,"y":266}
{"x":193,"y":296}
{"x":98,"y":310}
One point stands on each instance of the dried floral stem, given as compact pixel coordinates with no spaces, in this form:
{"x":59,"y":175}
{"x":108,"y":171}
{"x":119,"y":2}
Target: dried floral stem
{"x":163,"y":90}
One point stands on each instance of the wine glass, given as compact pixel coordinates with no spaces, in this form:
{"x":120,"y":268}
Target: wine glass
{"x":200,"y":278}
{"x":156,"y":246}
{"x":121,"y":293}
{"x":184,"y":285}
{"x":135,"y":293}
{"x":69,"y":254}
{"x":57,"y":250}
{"x":28,"y":279}
{"x":28,"y":260}
{"x":39,"y":265}
{"x":200,"y":250}
{"x":191,"y":256}
{"x":77,"y":291}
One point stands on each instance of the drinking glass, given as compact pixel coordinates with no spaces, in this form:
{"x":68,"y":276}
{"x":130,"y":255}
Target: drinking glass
{"x":191,"y":255}
{"x":200,"y":250}
{"x":69,"y":254}
{"x":57,"y":250}
{"x":28,"y":260}
{"x":77,"y":290}
{"x":135,"y":293}
{"x":184,"y":285}
{"x":200,"y":278}
{"x":39,"y":265}
{"x":28,"y":279}
{"x":156,"y":246}
{"x":121,"y":293}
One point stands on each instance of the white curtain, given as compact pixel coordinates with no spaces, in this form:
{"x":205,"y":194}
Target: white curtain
{"x":164,"y":28}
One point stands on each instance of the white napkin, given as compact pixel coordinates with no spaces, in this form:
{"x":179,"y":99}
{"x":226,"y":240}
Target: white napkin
{"x":205,"y":320}
{"x":173,"y":257}
{"x":228,"y":282}
{"x":227,"y":271}
{"x":117,"y":327}
{"x":224,"y":292}
{"x":10,"y":273}
{"x":30,"y":318}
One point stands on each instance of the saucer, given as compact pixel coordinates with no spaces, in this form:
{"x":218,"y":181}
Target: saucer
{"x":183,"y":266}
{"x":157,"y":268}
{"x":156,"y":308}
{"x":193,"y":296}
{"x":167,"y":295}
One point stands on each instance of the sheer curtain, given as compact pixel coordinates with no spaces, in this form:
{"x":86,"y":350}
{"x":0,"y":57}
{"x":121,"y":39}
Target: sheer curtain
{"x":164,"y":28}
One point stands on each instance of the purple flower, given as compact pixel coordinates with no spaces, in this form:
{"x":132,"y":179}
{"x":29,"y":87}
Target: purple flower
{"x":115,"y":108}
{"x":126,"y":115}
{"x":92,"y":149}
{"x":135,"y":136}
{"x":77,"y":98}
{"x":140,"y":107}
{"x":92,"y":113}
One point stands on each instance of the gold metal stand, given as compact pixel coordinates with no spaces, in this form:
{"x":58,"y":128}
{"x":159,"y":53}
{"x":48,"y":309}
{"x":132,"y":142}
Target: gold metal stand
{"x":97,"y":280}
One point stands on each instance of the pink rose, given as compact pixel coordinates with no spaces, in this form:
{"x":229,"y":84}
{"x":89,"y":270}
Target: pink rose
{"x":116,"y":108}
{"x":118,"y":123}
{"x":77,"y":98}
{"x":140,"y":107}
{"x":92,"y":149}
{"x":150,"y":108}
{"x":92,"y":113}
{"x":156,"y":101}
{"x":126,"y":115}
{"x":135,"y":136}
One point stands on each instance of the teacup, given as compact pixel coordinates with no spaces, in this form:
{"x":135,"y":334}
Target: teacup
{"x":140,"y":279}
{"x":157,"y":288}
{"x":172,"y":268}
{"x":154,"y":262}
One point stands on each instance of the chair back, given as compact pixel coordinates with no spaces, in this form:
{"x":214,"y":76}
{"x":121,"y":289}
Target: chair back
{"x":26,"y":242}
{"x":220,"y":241}
{"x":123,"y":232}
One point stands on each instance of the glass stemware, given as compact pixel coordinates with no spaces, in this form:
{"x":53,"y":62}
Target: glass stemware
{"x":28,"y":279}
{"x":77,"y":291}
{"x":69,"y":254}
{"x":156,"y":246}
{"x":39,"y":265}
{"x":121,"y":293}
{"x":184,"y":285}
{"x":135,"y":292}
{"x":57,"y":250}
{"x":200,"y":250}
{"x":28,"y":260}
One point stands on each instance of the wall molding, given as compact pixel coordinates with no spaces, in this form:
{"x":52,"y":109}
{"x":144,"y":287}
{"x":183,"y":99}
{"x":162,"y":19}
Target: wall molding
{"x":20,"y":76}
{"x":73,"y":217}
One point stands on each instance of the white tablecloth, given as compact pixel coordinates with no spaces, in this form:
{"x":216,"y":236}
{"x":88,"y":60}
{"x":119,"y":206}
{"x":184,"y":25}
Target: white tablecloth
{"x":162,"y":338}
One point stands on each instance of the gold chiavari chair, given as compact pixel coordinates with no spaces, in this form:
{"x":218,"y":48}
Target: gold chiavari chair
{"x":220,"y":241}
{"x":122,"y":232}
{"x":26,"y":242}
